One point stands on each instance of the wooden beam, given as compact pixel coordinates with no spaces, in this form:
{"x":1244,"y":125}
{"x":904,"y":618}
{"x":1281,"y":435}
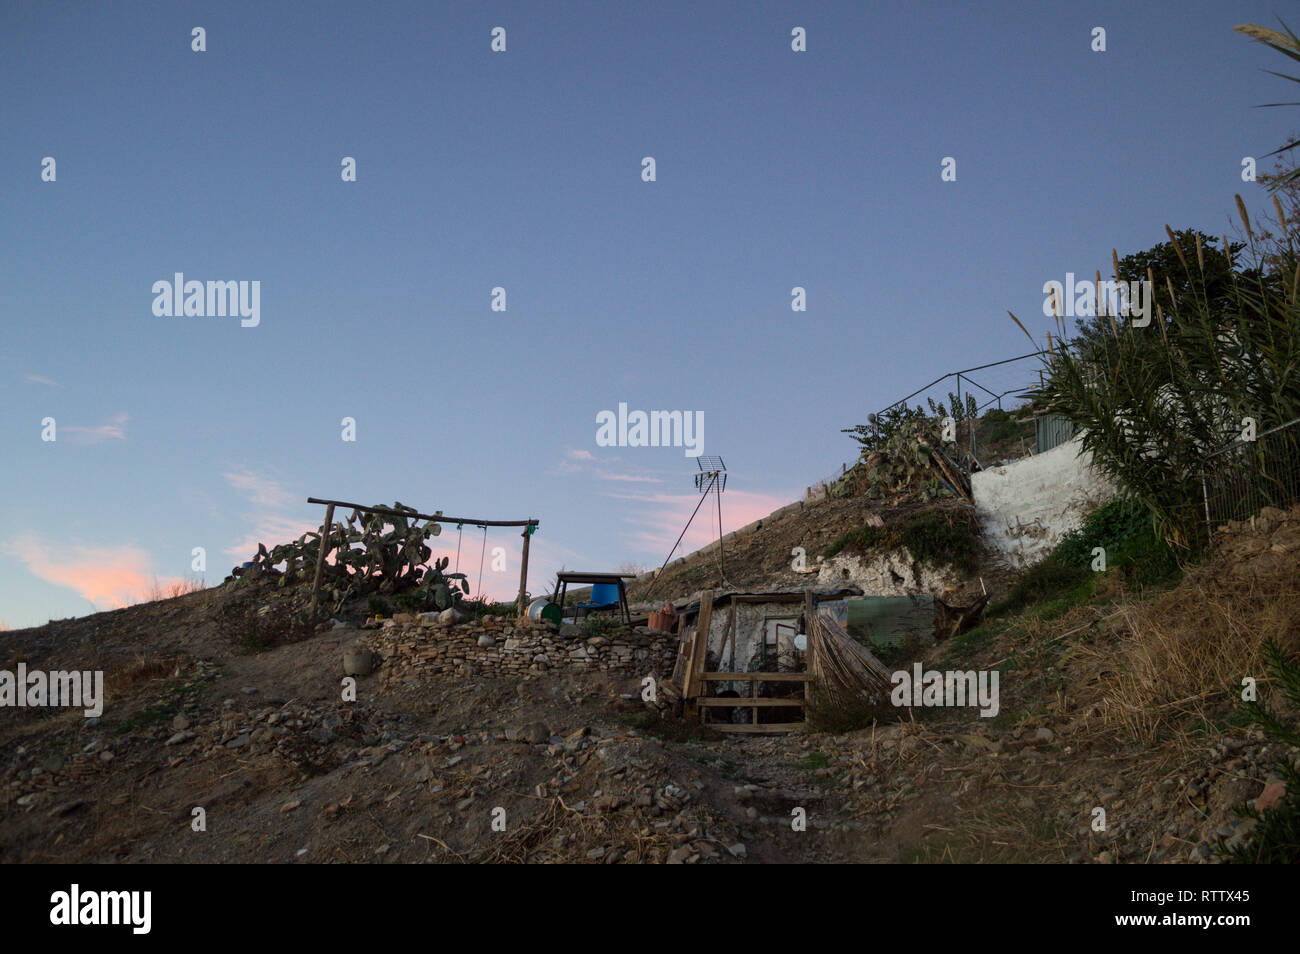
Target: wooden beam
{"x":700,"y":648}
{"x":764,"y":728}
{"x":727,"y":632}
{"x":320,"y":565}
{"x":440,"y":517}
{"x":756,"y":677}
{"x":809,"y":622}
{"x":523,"y":575}
{"x":743,"y":702}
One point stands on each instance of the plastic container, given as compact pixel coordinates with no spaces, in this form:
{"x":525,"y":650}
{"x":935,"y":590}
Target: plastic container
{"x":542,"y":608}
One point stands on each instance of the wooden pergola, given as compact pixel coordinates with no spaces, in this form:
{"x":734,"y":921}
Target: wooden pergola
{"x":529,"y":525}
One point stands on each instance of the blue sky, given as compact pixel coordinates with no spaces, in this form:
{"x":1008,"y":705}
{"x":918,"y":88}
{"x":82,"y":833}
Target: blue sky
{"x":522,"y":170}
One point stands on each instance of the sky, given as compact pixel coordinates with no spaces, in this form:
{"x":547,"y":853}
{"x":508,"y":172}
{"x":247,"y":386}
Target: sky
{"x":522,"y":170}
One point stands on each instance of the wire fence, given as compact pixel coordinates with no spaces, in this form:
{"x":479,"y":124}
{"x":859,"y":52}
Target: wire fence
{"x":1242,"y":478}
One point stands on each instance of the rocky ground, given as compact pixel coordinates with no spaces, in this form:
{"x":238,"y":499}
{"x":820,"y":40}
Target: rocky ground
{"x":208,"y":750}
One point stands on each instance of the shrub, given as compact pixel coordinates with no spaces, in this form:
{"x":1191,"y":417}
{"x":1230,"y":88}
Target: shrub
{"x":601,"y":625}
{"x":1123,"y":528}
{"x":942,"y":537}
{"x":840,"y":713}
{"x":1153,"y":401}
{"x":862,"y":540}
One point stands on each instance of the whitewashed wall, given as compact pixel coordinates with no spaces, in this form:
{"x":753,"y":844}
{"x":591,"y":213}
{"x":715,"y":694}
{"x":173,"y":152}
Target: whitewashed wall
{"x":1026,"y":507}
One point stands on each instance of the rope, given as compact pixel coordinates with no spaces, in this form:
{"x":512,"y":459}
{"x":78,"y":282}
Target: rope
{"x":482,"y":552}
{"x":460,"y":532}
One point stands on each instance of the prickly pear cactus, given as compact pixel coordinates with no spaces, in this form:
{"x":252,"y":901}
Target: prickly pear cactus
{"x":372,"y":553}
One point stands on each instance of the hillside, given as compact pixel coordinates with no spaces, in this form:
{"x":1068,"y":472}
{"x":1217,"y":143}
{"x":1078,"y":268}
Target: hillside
{"x":846,"y":541}
{"x":1110,"y":700}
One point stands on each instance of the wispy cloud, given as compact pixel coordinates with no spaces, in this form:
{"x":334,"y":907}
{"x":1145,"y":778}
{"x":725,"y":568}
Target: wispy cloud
{"x":261,"y":489}
{"x":113,"y":430}
{"x":269,"y":520}
{"x":576,"y":460}
{"x":630,"y":478}
{"x":271,"y":530}
{"x":38,"y":379}
{"x":114,"y":576}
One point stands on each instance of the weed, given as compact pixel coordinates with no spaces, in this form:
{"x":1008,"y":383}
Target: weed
{"x":942,"y":537}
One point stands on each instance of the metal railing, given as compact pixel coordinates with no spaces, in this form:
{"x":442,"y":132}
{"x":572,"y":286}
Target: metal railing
{"x":1239,"y":480}
{"x":988,"y":388}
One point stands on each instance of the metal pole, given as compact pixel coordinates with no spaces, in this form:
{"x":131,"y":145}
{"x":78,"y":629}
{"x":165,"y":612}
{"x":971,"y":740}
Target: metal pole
{"x":722,"y":570}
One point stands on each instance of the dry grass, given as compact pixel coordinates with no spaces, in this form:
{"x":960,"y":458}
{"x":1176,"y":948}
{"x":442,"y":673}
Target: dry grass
{"x":146,"y":667}
{"x":1184,"y":654}
{"x":168,"y":591}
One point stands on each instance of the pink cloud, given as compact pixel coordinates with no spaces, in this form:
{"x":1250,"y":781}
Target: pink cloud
{"x":271,"y":530}
{"x":114,"y":430}
{"x":580,"y":455}
{"x":112,"y":576}
{"x":663,"y":515}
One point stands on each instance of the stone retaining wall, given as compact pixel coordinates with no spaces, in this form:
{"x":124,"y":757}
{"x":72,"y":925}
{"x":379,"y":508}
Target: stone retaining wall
{"x":497,"y":646}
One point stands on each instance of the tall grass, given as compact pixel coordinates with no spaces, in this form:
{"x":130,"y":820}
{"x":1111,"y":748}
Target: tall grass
{"x":1154,"y":401}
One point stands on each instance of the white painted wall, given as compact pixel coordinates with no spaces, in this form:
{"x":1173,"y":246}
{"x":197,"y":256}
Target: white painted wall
{"x":1026,"y":507}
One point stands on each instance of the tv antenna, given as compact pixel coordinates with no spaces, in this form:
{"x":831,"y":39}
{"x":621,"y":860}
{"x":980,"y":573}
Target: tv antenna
{"x":711,"y":477}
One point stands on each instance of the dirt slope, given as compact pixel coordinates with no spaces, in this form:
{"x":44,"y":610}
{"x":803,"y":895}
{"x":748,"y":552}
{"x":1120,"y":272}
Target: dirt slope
{"x":287,"y":771}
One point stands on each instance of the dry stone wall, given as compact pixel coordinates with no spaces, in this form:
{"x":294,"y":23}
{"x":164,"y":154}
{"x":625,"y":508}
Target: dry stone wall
{"x":498,"y":646}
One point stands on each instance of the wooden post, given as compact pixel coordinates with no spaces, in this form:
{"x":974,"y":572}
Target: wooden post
{"x":700,"y":647}
{"x":320,"y":564}
{"x":523,"y":574}
{"x":809,"y":621}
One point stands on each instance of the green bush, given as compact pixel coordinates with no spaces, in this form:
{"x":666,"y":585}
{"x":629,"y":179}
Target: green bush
{"x":601,"y":624}
{"x":942,"y":537}
{"x":862,"y":540}
{"x":1123,"y":528}
{"x":998,"y":426}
